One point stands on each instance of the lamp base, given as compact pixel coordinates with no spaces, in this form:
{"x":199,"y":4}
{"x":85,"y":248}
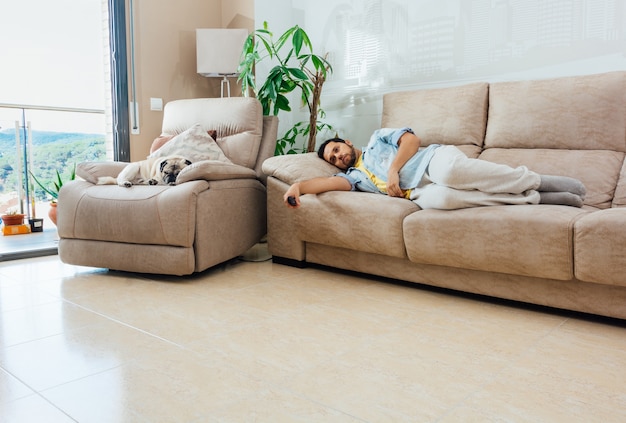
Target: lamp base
{"x":225,"y":82}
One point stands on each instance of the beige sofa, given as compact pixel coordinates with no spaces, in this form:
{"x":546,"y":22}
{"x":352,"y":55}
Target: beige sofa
{"x":216,"y":214}
{"x":557,"y":256}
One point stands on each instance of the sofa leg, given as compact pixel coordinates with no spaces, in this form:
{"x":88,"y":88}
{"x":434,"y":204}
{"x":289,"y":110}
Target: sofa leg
{"x":300,"y":264}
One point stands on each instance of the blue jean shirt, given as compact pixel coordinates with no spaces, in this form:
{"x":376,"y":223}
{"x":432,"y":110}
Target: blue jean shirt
{"x":378,"y":156}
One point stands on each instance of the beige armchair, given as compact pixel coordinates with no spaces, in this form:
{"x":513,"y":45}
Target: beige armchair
{"x":215,"y":213}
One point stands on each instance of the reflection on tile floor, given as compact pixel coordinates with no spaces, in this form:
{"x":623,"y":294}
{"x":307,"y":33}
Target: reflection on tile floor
{"x":257,"y":341}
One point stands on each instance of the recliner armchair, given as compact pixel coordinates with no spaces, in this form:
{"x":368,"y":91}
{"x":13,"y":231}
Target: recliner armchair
{"x":216,"y":214}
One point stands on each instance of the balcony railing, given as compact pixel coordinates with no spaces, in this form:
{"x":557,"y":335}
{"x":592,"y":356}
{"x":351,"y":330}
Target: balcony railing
{"x":41,"y":140}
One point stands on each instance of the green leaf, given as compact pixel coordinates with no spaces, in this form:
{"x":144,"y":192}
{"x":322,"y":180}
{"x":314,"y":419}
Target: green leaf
{"x":298,"y":74}
{"x":297,"y":40}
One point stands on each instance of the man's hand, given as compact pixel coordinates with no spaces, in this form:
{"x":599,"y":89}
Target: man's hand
{"x":393,"y":184}
{"x":408,"y":145}
{"x":293,"y":191}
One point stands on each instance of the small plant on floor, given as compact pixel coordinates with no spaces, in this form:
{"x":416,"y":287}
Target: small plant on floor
{"x":57,"y":183}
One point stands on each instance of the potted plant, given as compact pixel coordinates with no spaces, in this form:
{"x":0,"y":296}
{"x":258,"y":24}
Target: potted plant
{"x":53,"y":190}
{"x":297,"y":67}
{"x":12,"y":217}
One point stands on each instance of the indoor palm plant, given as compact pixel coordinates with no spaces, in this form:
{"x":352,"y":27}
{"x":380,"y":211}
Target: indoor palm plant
{"x":297,"y":67}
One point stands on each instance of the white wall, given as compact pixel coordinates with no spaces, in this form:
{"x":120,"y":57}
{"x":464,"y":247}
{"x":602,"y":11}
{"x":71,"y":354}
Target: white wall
{"x":378,"y":46}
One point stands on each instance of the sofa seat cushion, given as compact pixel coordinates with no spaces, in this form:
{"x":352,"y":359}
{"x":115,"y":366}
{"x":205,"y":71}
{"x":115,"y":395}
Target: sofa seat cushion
{"x":598,"y":170}
{"x":354,"y":220}
{"x":599,"y":245}
{"x":143,"y":214}
{"x":520,"y":240}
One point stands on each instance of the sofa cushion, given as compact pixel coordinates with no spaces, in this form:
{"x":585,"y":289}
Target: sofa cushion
{"x":520,"y":240}
{"x":92,"y":171}
{"x":237,"y":120}
{"x":597,"y":169}
{"x":599,"y":245}
{"x":194,"y":144}
{"x":455,"y":115}
{"x":214,"y":170}
{"x":580,"y":112}
{"x":354,"y":220}
{"x":619,"y":199}
{"x":143,"y":214}
{"x":292,"y":168}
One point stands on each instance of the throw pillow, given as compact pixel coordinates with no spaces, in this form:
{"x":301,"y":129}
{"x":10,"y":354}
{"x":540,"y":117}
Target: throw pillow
{"x":194,"y":144}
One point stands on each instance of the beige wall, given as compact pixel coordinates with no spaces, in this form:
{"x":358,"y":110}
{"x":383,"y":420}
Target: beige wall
{"x":165,"y":55}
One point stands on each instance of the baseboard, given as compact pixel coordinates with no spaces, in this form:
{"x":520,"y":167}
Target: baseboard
{"x":300,"y":264}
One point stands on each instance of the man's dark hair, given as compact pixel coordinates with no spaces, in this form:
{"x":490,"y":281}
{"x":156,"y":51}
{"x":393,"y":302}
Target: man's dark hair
{"x":320,"y":151}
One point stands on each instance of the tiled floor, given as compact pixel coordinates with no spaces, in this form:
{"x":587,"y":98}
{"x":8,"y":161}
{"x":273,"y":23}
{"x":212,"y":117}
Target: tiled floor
{"x":262,"y":342}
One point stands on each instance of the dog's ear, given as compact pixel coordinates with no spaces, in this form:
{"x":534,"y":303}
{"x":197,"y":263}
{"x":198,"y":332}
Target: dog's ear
{"x":163,"y":164}
{"x":187,"y":162}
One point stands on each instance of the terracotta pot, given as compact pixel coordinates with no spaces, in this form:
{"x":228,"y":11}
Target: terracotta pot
{"x":12,"y":219}
{"x":52,"y":212}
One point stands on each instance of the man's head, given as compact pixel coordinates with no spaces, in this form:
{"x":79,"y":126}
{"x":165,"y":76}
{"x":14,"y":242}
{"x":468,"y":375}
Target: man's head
{"x":338,"y":152}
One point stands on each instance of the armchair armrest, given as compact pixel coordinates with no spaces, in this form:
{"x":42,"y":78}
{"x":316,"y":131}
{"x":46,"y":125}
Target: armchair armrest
{"x":214,"y":170}
{"x":91,"y":171}
{"x":291,"y":168}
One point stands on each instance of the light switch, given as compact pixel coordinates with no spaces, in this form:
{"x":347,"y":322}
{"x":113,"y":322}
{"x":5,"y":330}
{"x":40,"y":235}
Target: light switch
{"x":156,"y":103}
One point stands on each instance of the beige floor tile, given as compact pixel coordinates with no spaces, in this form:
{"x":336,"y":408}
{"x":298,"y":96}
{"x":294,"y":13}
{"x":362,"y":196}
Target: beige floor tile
{"x":38,"y":269}
{"x":576,"y":374}
{"x":11,"y":388}
{"x":22,"y":295}
{"x":32,"y":409}
{"x":39,"y":321}
{"x":74,"y":354}
{"x":273,"y":405}
{"x":360,"y":387}
{"x":169,"y":385}
{"x":179,"y":318}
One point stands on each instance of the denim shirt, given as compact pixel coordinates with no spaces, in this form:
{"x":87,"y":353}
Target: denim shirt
{"x":378,"y":156}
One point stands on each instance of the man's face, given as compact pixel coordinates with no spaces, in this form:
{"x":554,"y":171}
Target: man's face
{"x":340,"y":154}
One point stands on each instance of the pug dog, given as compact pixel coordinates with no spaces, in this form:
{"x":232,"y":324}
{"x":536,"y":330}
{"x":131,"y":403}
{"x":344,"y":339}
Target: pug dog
{"x":152,"y":171}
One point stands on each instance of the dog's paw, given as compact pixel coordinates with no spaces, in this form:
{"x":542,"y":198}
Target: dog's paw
{"x":127,"y":184}
{"x":153,"y":182}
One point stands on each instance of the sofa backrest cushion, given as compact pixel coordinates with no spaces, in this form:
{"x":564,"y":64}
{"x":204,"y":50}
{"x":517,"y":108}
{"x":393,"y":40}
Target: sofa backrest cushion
{"x":574,"y":113}
{"x":454,"y":115}
{"x":573,"y":126}
{"x":237,"y":120}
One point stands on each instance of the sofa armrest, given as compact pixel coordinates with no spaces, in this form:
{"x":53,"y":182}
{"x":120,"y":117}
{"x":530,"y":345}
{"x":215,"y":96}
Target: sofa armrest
{"x":291,"y":168}
{"x":214,"y":170}
{"x":91,"y":171}
{"x":599,"y":246}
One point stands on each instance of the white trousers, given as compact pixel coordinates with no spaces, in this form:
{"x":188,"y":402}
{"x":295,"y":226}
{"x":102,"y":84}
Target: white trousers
{"x":455,"y":181}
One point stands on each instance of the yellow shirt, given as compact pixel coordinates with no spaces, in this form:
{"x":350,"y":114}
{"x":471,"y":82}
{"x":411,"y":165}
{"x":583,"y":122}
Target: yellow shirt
{"x":380,"y":184}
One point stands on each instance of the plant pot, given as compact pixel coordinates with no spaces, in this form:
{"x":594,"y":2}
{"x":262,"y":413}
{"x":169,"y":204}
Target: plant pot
{"x":36,"y":225}
{"x":12,"y":219}
{"x":52,"y":213}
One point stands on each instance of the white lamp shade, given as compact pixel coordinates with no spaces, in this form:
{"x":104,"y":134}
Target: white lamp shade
{"x":218,"y":50}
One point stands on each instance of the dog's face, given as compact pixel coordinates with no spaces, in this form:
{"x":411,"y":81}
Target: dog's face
{"x":170,"y":168}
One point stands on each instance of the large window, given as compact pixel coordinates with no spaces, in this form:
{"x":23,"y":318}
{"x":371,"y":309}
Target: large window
{"x":62,"y":92}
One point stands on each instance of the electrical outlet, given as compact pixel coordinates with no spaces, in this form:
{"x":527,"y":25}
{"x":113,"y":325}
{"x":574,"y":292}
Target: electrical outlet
{"x":156,"y":104}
